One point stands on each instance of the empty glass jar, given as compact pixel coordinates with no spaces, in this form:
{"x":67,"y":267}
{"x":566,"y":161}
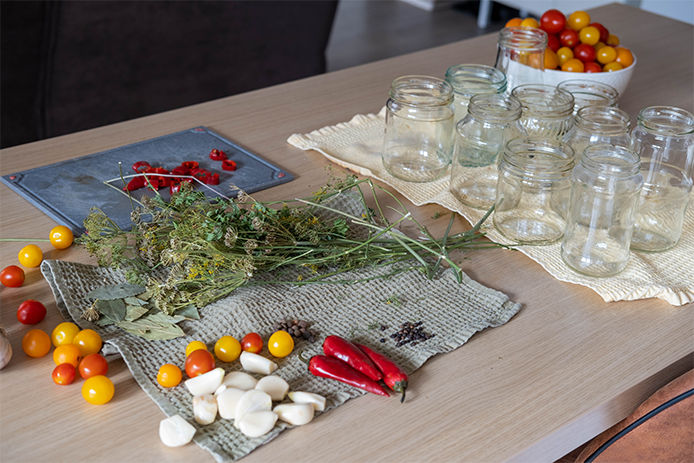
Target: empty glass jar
{"x":604,"y":192}
{"x":418,"y":139}
{"x":468,"y":80}
{"x":664,"y":139}
{"x":521,"y":55}
{"x":491,"y":121}
{"x":589,"y":93}
{"x":547,"y":110}
{"x":599,"y":124}
{"x":533,"y":190}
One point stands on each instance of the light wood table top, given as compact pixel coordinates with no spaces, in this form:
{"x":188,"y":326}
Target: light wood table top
{"x":564,"y":369}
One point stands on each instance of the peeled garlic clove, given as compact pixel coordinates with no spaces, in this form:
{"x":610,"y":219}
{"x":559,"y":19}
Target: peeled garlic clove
{"x":252,"y":401}
{"x":174,"y":431}
{"x":257,"y":363}
{"x":239,"y":380}
{"x":5,"y":349}
{"x":204,"y":409}
{"x":273,"y":385}
{"x":300,"y":397}
{"x":256,"y":424}
{"x":296,"y":414}
{"x":219,"y":390}
{"x":227,"y":401}
{"x":205,"y":383}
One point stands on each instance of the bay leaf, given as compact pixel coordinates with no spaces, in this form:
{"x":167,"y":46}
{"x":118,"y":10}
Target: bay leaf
{"x":152,"y":327}
{"x":133,"y":312}
{"x":103,"y":321}
{"x":190,"y":312}
{"x":110,"y":292}
{"x":111,"y":309}
{"x":134,"y":301}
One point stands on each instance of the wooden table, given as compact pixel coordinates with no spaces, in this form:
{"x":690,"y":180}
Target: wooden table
{"x":563,"y":370}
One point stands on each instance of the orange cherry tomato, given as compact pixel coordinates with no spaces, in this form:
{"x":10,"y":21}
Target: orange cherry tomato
{"x":606,"y":55}
{"x":624,"y":57}
{"x":93,"y":365}
{"x":67,"y":353}
{"x":64,"y":374}
{"x":573,"y":65}
{"x":36,"y":343}
{"x":61,"y":237}
{"x":551,"y":59}
{"x":578,"y":20}
{"x":88,"y":341}
{"x":169,"y":375}
{"x":612,"y":40}
{"x":199,"y":362}
{"x":530,"y":22}
{"x":613,"y":66}
{"x":252,"y":342}
{"x":98,"y":390}
{"x":589,"y":35}
{"x":515,"y":22}
{"x":564,"y":54}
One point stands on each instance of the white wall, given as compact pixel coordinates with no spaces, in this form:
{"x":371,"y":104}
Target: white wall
{"x":682,"y":10}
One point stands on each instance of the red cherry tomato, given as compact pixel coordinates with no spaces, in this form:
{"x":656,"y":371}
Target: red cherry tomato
{"x":31,"y":312}
{"x":568,"y":38}
{"x":585,"y":53}
{"x":604,"y":33}
{"x":198,"y":362}
{"x":64,"y":374}
{"x":92,"y":365}
{"x":553,"y":42}
{"x":552,"y":21}
{"x":252,"y":342}
{"x":12,"y":276}
{"x":592,"y":67}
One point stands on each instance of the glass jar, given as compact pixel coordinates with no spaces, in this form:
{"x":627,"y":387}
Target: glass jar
{"x":533,"y":190}
{"x":418,"y":139}
{"x":520,"y":55}
{"x":664,"y":139}
{"x":604,"y":193}
{"x":599,"y":124}
{"x":547,"y":110}
{"x":492,"y":120}
{"x":468,"y":80}
{"x":589,"y":93}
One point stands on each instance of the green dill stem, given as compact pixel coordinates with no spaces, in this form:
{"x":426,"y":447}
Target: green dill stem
{"x":22,"y":240}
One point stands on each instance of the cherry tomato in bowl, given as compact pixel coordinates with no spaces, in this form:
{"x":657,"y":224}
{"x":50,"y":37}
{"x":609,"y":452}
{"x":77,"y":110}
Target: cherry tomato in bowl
{"x":12,"y":276}
{"x":553,"y":21}
{"x":568,"y":38}
{"x":31,"y":312}
{"x":578,"y":20}
{"x":585,"y":53}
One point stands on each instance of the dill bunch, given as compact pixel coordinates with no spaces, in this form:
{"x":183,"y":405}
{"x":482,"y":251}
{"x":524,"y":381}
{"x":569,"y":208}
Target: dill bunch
{"x":191,"y":250}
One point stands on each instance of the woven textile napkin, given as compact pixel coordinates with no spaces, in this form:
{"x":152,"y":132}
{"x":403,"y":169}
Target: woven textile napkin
{"x":356,"y":145}
{"x":449,"y":310}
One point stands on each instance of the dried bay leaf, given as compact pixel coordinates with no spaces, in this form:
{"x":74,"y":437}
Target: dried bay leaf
{"x":111,"y":309}
{"x":133,"y":312}
{"x":110,"y":292}
{"x":134,"y":301}
{"x":190,"y":312}
{"x":153,"y":327}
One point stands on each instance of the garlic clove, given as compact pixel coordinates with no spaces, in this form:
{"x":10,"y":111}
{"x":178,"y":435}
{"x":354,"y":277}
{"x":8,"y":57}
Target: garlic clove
{"x":296,"y":414}
{"x":175,"y":431}
{"x":252,"y":401}
{"x":273,"y":385}
{"x":5,"y":349}
{"x":205,"y":383}
{"x":239,"y":380}
{"x":227,"y":401}
{"x":255,"y":424}
{"x":301,"y":397}
{"x":257,"y":363}
{"x":204,"y":409}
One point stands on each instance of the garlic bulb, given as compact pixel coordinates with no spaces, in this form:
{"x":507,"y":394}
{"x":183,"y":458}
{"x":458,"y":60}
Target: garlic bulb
{"x":5,"y":349}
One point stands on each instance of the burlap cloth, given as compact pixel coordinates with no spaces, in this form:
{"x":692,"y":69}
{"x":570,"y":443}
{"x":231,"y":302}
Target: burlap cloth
{"x":451,"y":311}
{"x":668,"y":275}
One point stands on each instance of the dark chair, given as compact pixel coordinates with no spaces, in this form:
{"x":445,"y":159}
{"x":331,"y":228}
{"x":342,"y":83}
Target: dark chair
{"x":73,"y":65}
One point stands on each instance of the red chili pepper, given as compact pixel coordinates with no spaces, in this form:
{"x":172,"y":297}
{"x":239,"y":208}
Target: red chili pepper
{"x":228,"y":164}
{"x":200,"y":174}
{"x":180,"y":170}
{"x":212,"y":179}
{"x":217,"y":155}
{"x":332,"y":368}
{"x":335,"y":346}
{"x":161,"y":181}
{"x":135,"y":183}
{"x":141,"y":166}
{"x":393,"y":376}
{"x":190,"y":165}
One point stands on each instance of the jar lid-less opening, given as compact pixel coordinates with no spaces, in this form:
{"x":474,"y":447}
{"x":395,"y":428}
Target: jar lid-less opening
{"x":523,"y":39}
{"x":539,"y":158}
{"x":546,"y":101}
{"x":666,"y":120}
{"x":494,"y":108}
{"x":472,"y":79}
{"x":603,"y":119}
{"x":421,"y":91}
{"x":587,"y":92}
{"x":615,"y":161}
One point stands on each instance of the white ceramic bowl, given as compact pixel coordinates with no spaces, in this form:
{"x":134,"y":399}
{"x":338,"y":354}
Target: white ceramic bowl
{"x":617,"y":79}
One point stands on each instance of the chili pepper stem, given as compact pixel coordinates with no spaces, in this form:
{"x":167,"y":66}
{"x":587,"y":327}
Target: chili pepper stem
{"x":402,"y":397}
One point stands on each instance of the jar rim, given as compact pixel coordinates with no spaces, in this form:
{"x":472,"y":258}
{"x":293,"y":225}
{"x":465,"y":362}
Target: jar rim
{"x":468,"y":79}
{"x":615,"y":161}
{"x":421,"y":91}
{"x":603,"y":119}
{"x":523,"y":38}
{"x":590,"y":92}
{"x":536,"y":157}
{"x":666,"y":120}
{"x":494,"y":107}
{"x":546,"y":100}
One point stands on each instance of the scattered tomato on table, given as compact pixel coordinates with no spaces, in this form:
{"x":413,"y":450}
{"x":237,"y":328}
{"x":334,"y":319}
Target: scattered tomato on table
{"x":67,"y":353}
{"x":64,"y":374}
{"x":93,"y":365}
{"x":280,"y":344}
{"x":88,"y":341}
{"x":252,"y":342}
{"x":98,"y":390}
{"x":169,"y":375}
{"x":227,"y":349}
{"x":195,"y":345}
{"x":31,"y":312}
{"x":61,"y":237}
{"x":30,"y":256}
{"x":12,"y":276}
{"x":198,"y":362}
{"x":36,"y":343}
{"x":64,"y":333}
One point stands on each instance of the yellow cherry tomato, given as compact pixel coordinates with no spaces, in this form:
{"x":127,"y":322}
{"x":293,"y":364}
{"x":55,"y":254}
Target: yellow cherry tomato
{"x":606,"y":55}
{"x":578,"y":20}
{"x":530,"y":22}
{"x":573,"y":65}
{"x":36,"y":343}
{"x":67,"y":353}
{"x":564,"y":54}
{"x":589,"y":35}
{"x":98,"y":390}
{"x":61,"y":237}
{"x":88,"y":341}
{"x":613,"y":66}
{"x":195,"y":345}
{"x":169,"y":375}
{"x":280,"y":344}
{"x":598,"y":46}
{"x":551,"y":59}
{"x":613,"y":40}
{"x":624,"y":57}
{"x":514,"y":22}
{"x":227,"y":349}
{"x":30,"y":256}
{"x":64,"y":333}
